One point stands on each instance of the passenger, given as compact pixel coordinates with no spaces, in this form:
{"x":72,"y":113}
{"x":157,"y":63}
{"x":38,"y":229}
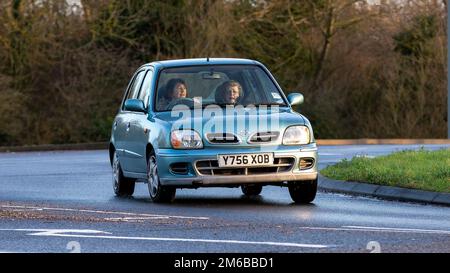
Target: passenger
{"x":229,"y":92}
{"x":175,"y":89}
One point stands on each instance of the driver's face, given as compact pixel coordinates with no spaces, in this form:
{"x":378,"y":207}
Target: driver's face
{"x":232,"y":94}
{"x":179,"y":91}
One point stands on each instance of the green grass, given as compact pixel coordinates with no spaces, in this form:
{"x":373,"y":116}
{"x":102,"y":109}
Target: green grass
{"x":424,"y":170}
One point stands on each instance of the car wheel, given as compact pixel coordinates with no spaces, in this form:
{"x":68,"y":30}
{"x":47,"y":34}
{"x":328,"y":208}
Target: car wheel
{"x":158,"y":193}
{"x":251,"y":190}
{"x":303,"y":192}
{"x":122,"y":185}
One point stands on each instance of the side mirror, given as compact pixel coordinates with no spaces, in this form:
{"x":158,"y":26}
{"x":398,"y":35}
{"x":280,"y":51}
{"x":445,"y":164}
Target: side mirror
{"x":134,"y":105}
{"x":295,"y":99}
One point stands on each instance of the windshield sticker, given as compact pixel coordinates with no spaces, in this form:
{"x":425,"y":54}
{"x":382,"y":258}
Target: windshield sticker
{"x":276,"y":95}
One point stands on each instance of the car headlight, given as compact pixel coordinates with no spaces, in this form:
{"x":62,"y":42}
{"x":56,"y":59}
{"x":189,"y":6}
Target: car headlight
{"x":186,"y":139}
{"x":296,"y":135}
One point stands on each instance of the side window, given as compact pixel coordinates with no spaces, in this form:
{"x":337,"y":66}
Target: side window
{"x":134,"y":88}
{"x":145,"y":89}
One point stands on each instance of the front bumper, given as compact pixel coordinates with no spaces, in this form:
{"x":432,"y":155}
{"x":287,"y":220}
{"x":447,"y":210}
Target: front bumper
{"x":194,"y":178}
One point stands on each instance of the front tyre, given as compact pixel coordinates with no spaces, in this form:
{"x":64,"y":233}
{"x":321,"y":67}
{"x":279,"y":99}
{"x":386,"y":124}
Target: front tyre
{"x":251,"y":190}
{"x":158,"y":193}
{"x":303,"y":192}
{"x":122,"y":185}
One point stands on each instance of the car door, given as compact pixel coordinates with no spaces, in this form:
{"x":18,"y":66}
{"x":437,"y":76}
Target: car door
{"x":121,"y":121}
{"x":123,"y":125}
{"x":141,"y":127}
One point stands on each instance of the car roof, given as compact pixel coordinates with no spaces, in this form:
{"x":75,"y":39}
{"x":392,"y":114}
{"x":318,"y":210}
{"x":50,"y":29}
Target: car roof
{"x":201,"y":61}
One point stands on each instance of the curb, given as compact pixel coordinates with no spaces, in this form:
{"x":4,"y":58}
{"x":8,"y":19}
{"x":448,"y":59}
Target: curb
{"x":56,"y":147}
{"x":383,"y":192}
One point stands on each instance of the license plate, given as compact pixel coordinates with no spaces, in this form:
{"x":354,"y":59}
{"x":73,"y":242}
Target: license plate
{"x":245,"y":160}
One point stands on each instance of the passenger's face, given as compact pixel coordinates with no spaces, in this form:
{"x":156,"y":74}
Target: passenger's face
{"x":232,"y":94}
{"x":179,"y":91}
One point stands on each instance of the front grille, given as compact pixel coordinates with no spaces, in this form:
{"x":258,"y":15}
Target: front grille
{"x":264,"y":137}
{"x":222,"y":138}
{"x":211,"y":167}
{"x":306,"y":163}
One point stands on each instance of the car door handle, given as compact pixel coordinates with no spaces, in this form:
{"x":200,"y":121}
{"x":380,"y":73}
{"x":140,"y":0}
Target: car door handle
{"x":128,"y":126}
{"x":115,"y":125}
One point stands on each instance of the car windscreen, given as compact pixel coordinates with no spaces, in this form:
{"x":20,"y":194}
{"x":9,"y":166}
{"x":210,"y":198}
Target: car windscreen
{"x":216,"y":85}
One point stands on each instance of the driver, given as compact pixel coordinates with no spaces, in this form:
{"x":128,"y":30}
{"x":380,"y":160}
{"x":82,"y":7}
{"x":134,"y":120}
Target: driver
{"x":230,"y":92}
{"x":175,"y":89}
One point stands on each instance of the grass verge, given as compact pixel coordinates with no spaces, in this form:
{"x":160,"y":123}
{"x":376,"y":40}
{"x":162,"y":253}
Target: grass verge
{"x":422,"y":170}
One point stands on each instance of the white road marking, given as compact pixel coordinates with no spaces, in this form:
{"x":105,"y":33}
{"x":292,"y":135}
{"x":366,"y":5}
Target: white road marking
{"x":63,"y":233}
{"x":22,"y":210}
{"x":135,"y":219}
{"x":408,"y":230}
{"x":153,"y":216}
{"x":330,"y":161}
{"x":365,"y":156}
{"x":53,"y":232}
{"x":378,"y":229}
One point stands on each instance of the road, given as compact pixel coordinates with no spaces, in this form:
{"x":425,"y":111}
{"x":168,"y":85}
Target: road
{"x":62,"y":201}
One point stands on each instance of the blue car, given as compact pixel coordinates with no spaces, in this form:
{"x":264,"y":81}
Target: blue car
{"x":211,"y":122}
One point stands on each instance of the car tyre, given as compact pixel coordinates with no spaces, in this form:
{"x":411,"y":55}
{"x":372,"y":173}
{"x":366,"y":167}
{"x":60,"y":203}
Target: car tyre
{"x":251,"y":190}
{"x":122,"y":185}
{"x":303,"y":192}
{"x":158,"y":193}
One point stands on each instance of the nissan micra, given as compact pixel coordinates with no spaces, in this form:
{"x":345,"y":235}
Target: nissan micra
{"x":211,"y":123}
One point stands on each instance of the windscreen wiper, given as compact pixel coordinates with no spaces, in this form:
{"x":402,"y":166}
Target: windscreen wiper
{"x":267,"y":104}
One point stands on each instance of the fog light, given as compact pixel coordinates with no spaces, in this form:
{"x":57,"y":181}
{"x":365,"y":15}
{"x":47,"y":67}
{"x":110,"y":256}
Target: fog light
{"x":306,"y":163}
{"x":179,"y":168}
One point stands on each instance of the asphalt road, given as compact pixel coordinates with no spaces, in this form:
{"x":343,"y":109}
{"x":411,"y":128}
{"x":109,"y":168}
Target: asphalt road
{"x":63,"y":202}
